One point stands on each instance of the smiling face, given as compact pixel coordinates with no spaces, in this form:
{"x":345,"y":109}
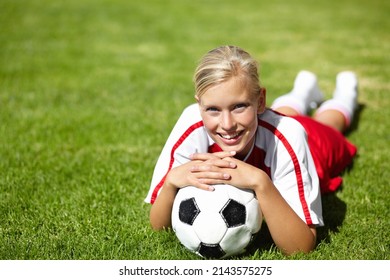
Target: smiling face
{"x":229,"y":112}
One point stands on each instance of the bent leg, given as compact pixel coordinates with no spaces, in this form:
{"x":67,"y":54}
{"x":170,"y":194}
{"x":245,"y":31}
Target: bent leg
{"x":288,"y":111}
{"x":332,"y":118}
{"x":304,"y":96}
{"x":338,"y":112}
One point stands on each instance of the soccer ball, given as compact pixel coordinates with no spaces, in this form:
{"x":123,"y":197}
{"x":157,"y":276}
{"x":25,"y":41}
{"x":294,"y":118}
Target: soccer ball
{"x":216,"y":224}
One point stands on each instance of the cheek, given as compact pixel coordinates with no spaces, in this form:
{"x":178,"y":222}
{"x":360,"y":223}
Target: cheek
{"x":210,"y":123}
{"x":250,"y":120}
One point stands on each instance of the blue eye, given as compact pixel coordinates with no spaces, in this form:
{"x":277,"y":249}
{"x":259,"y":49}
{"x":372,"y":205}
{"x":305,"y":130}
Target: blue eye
{"x":240,"y":106}
{"x":212,"y":109}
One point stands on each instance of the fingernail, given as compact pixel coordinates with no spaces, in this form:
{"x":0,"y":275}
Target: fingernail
{"x":211,"y":188}
{"x":226,"y":176}
{"x":233,"y":152}
{"x":232,"y":164}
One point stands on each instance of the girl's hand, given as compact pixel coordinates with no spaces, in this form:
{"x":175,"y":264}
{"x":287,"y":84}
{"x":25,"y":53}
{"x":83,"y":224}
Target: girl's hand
{"x":203,"y":171}
{"x":202,"y":167}
{"x":212,"y":156}
{"x":247,"y":176}
{"x":235,"y":172}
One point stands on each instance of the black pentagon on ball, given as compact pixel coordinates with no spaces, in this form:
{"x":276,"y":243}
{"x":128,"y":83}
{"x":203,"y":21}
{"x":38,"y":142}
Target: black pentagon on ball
{"x":211,"y":251}
{"x":233,"y":213}
{"x":188,"y":211}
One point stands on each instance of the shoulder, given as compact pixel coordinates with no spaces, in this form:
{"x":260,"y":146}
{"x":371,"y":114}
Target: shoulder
{"x":190,"y":115}
{"x":278,"y":123}
{"x":192,"y":110}
{"x":189,"y":126}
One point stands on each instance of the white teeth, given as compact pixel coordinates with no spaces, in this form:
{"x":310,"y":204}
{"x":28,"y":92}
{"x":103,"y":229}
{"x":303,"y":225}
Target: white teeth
{"x":229,"y":136}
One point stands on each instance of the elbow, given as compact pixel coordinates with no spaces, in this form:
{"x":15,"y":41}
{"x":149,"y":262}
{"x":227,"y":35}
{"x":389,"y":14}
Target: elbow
{"x":156,"y":226}
{"x":298,"y":250}
{"x":304,"y":250}
{"x":157,"y":222}
{"x":305,"y":245}
{"x":159,"y":227}
{"x":154,"y":223}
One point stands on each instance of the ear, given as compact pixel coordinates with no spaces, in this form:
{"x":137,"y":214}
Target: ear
{"x":262,"y":101}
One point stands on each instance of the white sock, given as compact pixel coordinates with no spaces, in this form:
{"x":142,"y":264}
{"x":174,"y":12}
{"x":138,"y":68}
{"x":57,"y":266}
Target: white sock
{"x":344,"y":97}
{"x":288,"y":100}
{"x":304,"y":96}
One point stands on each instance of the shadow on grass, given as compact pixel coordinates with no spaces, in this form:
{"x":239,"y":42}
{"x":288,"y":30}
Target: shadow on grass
{"x":356,"y":118}
{"x":334,"y":211}
{"x":262,"y":241}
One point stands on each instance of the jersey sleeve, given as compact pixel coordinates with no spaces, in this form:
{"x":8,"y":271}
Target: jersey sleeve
{"x":187,"y":137}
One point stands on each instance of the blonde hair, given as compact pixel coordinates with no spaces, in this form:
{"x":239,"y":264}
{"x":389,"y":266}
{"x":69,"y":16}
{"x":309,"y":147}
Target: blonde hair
{"x":223,"y":63}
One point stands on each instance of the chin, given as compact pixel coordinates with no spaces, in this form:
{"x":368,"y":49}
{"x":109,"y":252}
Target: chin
{"x":231,"y":148}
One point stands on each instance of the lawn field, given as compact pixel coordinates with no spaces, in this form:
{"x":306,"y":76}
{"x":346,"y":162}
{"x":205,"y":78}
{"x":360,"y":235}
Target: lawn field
{"x":89,"y":91}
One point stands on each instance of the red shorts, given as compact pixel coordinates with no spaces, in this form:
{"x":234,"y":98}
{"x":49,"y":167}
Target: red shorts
{"x":331,"y":152}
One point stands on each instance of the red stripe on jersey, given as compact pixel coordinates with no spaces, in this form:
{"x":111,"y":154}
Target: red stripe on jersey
{"x":298,"y":172}
{"x":177,"y":144}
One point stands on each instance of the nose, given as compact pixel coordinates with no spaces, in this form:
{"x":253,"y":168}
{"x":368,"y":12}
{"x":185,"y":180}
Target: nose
{"x":227,"y":121}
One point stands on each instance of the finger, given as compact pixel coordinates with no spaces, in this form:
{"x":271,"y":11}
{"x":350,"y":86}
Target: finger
{"x":208,"y":170}
{"x":225,"y":154}
{"x":211,"y":181}
{"x":213,"y":165}
{"x":203,"y":186}
{"x":232,"y":160}
{"x":221,"y":163}
{"x":208,"y":156}
{"x":204,"y":176}
{"x":199,"y":184}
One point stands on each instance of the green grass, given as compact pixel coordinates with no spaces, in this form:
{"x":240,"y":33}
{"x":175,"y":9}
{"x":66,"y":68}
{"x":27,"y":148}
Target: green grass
{"x":89,"y":91}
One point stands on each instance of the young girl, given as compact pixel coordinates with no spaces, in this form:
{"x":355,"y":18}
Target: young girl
{"x":230,"y":137}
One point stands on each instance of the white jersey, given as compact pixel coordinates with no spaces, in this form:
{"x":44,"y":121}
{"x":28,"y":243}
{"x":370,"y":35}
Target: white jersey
{"x":280,"y":149}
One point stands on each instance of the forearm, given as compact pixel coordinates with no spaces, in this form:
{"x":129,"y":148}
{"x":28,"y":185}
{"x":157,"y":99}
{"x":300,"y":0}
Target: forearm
{"x":178,"y":177}
{"x":160,"y":213}
{"x":289,"y":232}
